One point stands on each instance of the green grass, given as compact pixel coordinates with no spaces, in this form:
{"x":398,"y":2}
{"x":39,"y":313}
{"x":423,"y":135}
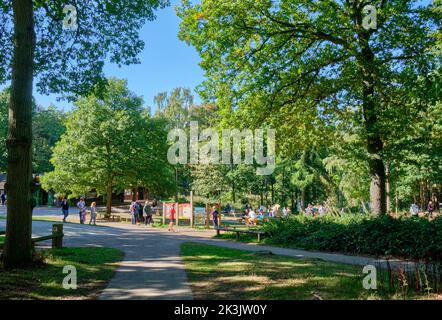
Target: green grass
{"x":2,"y":240}
{"x":224,"y":273}
{"x":95,"y":267}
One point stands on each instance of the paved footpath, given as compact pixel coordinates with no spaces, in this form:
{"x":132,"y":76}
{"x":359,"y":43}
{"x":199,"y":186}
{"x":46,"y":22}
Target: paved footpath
{"x":152,"y":267}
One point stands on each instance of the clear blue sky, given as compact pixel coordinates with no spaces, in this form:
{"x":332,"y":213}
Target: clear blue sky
{"x":166,"y":62}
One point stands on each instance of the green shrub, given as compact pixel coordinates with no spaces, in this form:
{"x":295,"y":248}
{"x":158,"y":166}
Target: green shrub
{"x":404,"y":237}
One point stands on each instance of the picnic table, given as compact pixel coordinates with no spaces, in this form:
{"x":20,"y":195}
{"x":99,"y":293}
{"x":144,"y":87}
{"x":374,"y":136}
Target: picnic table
{"x":259,"y":233}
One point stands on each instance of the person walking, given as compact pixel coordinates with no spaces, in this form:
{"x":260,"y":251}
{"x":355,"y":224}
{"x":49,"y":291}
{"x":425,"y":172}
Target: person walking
{"x":215,"y":216}
{"x":172,"y":218}
{"x":82,"y":207}
{"x":65,"y":208}
{"x":93,"y":214}
{"x":147,"y":214}
{"x":430,"y":209}
{"x":3,"y":197}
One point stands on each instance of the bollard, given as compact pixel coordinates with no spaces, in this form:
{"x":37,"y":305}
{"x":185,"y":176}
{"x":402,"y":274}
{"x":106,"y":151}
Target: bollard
{"x":57,"y":236}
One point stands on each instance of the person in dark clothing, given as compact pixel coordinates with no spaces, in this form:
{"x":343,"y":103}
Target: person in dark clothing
{"x":430,"y":209}
{"x":3,"y":197}
{"x":147,"y":213}
{"x":215,"y":217}
{"x":139,"y":213}
{"x":65,"y":208}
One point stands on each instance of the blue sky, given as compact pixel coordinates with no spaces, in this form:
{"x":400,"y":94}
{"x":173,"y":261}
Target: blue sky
{"x":166,"y":62}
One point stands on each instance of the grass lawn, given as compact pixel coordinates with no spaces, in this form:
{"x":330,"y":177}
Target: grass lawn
{"x":95,"y":267}
{"x":2,"y":240}
{"x":224,"y":273}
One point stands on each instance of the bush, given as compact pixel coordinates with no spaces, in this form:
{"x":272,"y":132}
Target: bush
{"x":404,"y":237}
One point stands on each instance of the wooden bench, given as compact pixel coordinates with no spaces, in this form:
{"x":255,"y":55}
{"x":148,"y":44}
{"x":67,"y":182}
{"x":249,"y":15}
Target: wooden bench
{"x":114,"y":217}
{"x":259,"y":233}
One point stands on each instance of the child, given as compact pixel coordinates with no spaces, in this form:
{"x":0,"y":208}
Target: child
{"x":93,"y":213}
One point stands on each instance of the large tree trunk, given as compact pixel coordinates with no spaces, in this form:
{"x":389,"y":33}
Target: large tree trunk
{"x":374,"y":141}
{"x":388,"y":186}
{"x":109,"y":199}
{"x":303,"y":199}
{"x":18,"y":247}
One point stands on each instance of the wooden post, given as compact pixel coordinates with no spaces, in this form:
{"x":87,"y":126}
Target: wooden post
{"x":220,"y":222}
{"x":177,"y":212}
{"x":192,"y":214}
{"x":57,"y":233}
{"x":207,"y":216}
{"x":164,"y":213}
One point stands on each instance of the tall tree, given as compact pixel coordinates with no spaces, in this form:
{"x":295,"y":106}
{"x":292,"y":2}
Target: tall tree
{"x":48,"y":126}
{"x":107,"y":146}
{"x":66,"y":62}
{"x":304,"y":54}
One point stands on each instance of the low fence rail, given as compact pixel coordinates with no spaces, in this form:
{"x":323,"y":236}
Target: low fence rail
{"x":56,"y":237}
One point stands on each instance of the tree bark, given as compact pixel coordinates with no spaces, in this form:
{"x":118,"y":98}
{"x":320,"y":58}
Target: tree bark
{"x":18,"y":246}
{"x":387,"y":186}
{"x":303,"y":199}
{"x":373,"y":139}
{"x":109,"y":198}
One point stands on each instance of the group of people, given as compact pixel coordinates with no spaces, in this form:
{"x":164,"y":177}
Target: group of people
{"x":81,"y":205}
{"x":315,"y":211}
{"x":140,"y":213}
{"x":414,"y":209}
{"x":253,"y":216}
{"x":3,"y":198}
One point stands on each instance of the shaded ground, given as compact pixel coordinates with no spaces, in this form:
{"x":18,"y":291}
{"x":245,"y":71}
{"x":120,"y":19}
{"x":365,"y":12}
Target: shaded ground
{"x":221,"y":273}
{"x":95,"y":267}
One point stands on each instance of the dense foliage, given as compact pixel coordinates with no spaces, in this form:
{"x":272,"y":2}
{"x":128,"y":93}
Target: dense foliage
{"x":411,"y":238}
{"x":47,"y":127}
{"x":110,"y":144}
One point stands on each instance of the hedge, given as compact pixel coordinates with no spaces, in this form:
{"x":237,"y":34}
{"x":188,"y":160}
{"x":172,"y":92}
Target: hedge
{"x":406,"y":237}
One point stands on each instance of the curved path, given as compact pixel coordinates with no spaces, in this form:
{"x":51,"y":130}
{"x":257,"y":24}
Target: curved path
{"x":152,"y":267}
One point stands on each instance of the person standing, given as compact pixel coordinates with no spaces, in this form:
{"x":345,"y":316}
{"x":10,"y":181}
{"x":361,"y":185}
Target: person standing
{"x":430,"y":209}
{"x":215,"y":216}
{"x":3,"y":197}
{"x":65,"y":208}
{"x":321,"y":210}
{"x":147,"y":214}
{"x":82,"y":207}
{"x":414,"y":210}
{"x":172,"y":218}
{"x":93,"y":213}
{"x":133,"y":212}
{"x":139,"y":213}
